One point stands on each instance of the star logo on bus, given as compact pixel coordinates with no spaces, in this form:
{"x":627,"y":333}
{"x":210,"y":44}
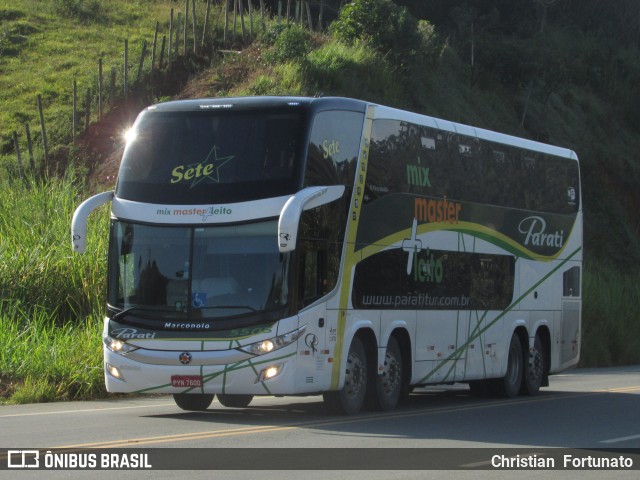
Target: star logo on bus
{"x":412,"y":245}
{"x":209,"y":168}
{"x":185,"y":358}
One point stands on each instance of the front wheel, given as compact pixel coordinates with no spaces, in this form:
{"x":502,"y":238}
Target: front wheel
{"x":349,"y":399}
{"x":234,"y":401}
{"x":193,"y":402}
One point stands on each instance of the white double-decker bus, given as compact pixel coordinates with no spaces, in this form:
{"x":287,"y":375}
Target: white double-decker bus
{"x":301,"y":246}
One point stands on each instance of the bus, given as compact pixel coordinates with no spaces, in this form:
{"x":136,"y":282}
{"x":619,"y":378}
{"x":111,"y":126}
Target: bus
{"x":331,"y":246}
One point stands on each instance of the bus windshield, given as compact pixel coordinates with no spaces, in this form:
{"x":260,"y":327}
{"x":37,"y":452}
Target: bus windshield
{"x":205,"y":157}
{"x":188,"y":273}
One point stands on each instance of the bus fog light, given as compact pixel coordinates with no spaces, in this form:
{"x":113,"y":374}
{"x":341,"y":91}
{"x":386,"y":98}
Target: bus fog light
{"x":269,"y":373}
{"x":114,"y":372}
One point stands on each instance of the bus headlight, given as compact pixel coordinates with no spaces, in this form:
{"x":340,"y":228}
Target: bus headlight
{"x":272,"y":344}
{"x":118,"y":346}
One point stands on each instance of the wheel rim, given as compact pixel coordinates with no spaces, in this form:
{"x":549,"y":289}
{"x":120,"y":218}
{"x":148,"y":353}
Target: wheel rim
{"x":391,"y":375}
{"x":356,"y":376}
{"x":536,"y":365}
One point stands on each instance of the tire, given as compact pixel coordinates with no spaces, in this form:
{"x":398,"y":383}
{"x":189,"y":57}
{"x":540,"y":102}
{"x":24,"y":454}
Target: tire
{"x":534,"y":368}
{"x":349,"y":399}
{"x":234,"y":401}
{"x":509,"y":385}
{"x":193,"y":402}
{"x":389,"y":385}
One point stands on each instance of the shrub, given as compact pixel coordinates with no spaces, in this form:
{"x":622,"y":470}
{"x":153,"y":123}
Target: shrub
{"x":389,"y":28}
{"x":291,"y":43}
{"x":86,"y":11}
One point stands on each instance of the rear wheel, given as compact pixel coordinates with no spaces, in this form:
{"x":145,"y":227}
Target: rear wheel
{"x":389,"y":384}
{"x":509,"y":385}
{"x":350,"y":398}
{"x":193,"y":402}
{"x":234,"y":401}
{"x":534,"y":368}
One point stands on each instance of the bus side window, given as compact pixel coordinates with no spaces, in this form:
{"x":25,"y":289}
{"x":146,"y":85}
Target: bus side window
{"x":313,"y":273}
{"x":571,"y":282}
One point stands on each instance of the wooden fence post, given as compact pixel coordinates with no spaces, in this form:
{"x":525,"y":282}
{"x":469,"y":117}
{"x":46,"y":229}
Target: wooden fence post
{"x":164,"y":41}
{"x":32,"y":162}
{"x":309,"y":16}
{"x":186,"y":28}
{"x":87,"y":111}
{"x":15,"y":142}
{"x":250,"y":18}
{"x":44,"y":133}
{"x":74,"y":118}
{"x":112,"y":87}
{"x":235,"y":20}
{"x":126,"y":70}
{"x":100,"y":89}
{"x":195,"y":32}
{"x":141,"y":64}
{"x":321,"y":16}
{"x":206,"y":23}
{"x":155,"y":41}
{"x":264,"y":14}
{"x":178,"y":25}
{"x":170,"y":37}
{"x":241,"y":6}
{"x":226,"y":21}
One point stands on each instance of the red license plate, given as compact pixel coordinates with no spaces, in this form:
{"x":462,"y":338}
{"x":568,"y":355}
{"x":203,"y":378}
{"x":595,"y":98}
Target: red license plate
{"x":186,"y":381}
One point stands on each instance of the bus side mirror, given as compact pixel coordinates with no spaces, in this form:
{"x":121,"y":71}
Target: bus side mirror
{"x":310,"y":197}
{"x":79,"y":221}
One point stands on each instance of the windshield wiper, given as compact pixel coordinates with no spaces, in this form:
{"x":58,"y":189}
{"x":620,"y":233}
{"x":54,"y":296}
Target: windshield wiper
{"x":263,"y":315}
{"x":231,"y":307}
{"x":123,"y":313}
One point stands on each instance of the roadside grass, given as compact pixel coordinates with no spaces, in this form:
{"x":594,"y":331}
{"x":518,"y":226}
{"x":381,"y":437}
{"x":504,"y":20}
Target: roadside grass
{"x":51,"y":300}
{"x":38,"y":266}
{"x":610,"y":316}
{"x":43,"y":361}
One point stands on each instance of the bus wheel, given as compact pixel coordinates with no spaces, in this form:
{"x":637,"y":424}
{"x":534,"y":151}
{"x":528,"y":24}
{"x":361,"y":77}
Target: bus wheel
{"x":193,"y":402}
{"x":512,"y":380}
{"x":350,"y":398}
{"x":389,"y":384}
{"x":234,"y":401}
{"x":534,"y":368}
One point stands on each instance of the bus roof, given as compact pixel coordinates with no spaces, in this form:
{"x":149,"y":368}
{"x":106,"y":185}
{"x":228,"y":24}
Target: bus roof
{"x":244,"y":103}
{"x":341,"y":103}
{"x":481,"y":133}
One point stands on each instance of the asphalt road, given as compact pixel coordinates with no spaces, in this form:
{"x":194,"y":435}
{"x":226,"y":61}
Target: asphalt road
{"x":582,"y":409}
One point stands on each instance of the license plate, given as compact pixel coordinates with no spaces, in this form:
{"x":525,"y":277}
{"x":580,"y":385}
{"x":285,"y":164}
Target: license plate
{"x":186,"y":381}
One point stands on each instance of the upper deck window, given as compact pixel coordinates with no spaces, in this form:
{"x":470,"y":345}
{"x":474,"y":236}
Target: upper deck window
{"x":201,"y":157}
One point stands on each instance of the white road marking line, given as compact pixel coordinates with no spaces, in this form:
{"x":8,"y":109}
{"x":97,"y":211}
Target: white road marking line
{"x":621,"y":439}
{"x":92,"y":410}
